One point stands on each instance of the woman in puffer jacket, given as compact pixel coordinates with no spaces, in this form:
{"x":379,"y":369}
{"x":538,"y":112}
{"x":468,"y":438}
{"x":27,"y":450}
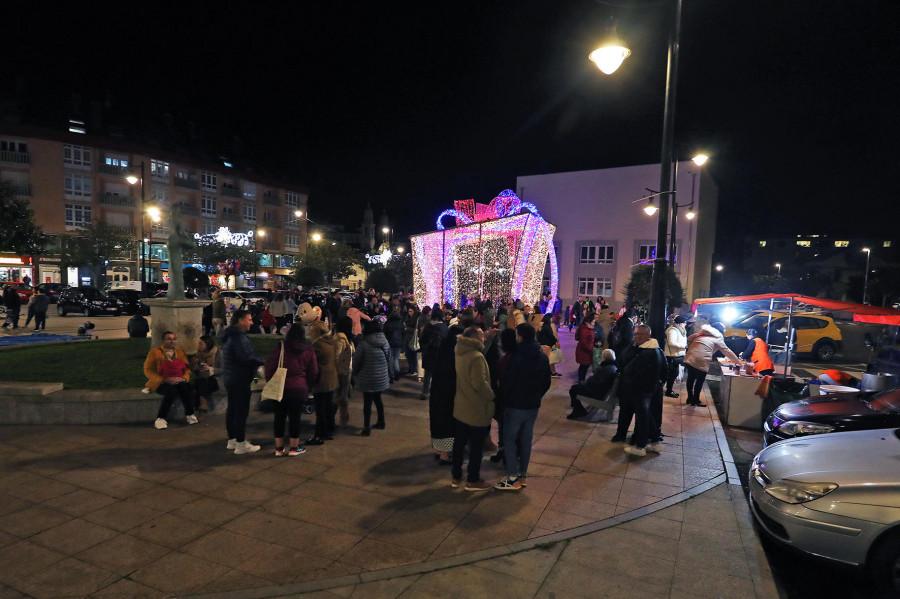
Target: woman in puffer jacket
{"x":373,"y":372}
{"x":701,"y":347}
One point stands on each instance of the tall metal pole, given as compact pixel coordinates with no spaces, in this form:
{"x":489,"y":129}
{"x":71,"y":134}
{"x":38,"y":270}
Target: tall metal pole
{"x":866,"y":278}
{"x":660,"y":264}
{"x":143,"y":237}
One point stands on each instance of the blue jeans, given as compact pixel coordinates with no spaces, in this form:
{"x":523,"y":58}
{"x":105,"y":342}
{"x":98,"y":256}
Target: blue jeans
{"x":518,"y":432}
{"x":395,"y":357}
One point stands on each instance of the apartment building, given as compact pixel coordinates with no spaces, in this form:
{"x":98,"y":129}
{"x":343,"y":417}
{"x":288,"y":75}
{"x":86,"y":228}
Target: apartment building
{"x":71,"y":177}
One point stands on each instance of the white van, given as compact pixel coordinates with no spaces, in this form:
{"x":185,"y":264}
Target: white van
{"x":124,"y":285}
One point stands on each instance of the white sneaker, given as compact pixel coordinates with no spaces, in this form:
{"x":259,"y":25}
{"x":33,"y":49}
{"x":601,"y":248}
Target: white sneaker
{"x":232,"y":443}
{"x":245,"y":447}
{"x":160,"y":424}
{"x":638,"y":451}
{"x":655,"y":447}
{"x":191,"y":419}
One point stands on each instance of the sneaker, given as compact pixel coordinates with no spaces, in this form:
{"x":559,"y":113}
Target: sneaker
{"x":161,"y":424}
{"x":523,"y":481}
{"x":479,"y":485}
{"x":618,"y":439}
{"x":191,"y":419}
{"x":232,"y":443}
{"x":508,"y":484}
{"x":655,"y":447}
{"x":634,"y":450}
{"x":455,"y":482}
{"x":555,"y":374}
{"x":279,"y":452}
{"x":245,"y":447}
{"x":365,"y":432}
{"x":671,"y":394}
{"x":296,"y":451}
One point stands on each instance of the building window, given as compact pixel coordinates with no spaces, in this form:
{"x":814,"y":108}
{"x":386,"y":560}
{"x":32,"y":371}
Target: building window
{"x":160,"y":169}
{"x":804,"y":243}
{"x":647,"y":252}
{"x":78,"y":215}
{"x":596,"y":254}
{"x":116,"y":161}
{"x":249,"y":190}
{"x":209,"y":180}
{"x":161,"y":195}
{"x":16,"y":147}
{"x":77,"y":186}
{"x":249,"y":213}
{"x":292,"y":241}
{"x":183,"y":175}
{"x":762,"y":244}
{"x":76,"y":155}
{"x":841,"y":244}
{"x":886,"y":244}
{"x":292,"y":199}
{"x":208,"y":205}
{"x":594,"y":286}
{"x":209,"y":227}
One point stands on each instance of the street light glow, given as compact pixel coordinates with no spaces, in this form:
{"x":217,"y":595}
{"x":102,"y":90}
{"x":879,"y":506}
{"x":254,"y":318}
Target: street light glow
{"x":132,"y":178}
{"x":399,"y":250}
{"x":700,"y":159}
{"x":298,"y":213}
{"x":317,"y":237}
{"x":385,"y":230}
{"x":260,"y":233}
{"x":690,"y":214}
{"x":651,"y":208}
{"x":719,"y":268}
{"x":154,"y":213}
{"x":610,"y":57}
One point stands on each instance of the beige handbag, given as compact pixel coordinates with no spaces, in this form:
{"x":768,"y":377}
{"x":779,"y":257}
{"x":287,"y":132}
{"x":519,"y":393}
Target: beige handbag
{"x":274,"y":388}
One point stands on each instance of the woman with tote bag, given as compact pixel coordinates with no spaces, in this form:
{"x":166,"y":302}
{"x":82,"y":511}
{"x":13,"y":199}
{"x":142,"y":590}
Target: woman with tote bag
{"x":299,"y":359}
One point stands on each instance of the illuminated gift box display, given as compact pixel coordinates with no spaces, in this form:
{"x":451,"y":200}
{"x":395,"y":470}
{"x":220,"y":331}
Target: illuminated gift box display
{"x":497,"y":250}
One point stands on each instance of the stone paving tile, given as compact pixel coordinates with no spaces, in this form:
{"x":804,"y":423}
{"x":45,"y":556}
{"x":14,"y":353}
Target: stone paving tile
{"x":179,"y":573}
{"x":384,"y":589}
{"x":469,"y":581}
{"x":210,"y":511}
{"x":20,"y":560}
{"x":12,"y":504}
{"x":661,"y":527}
{"x":74,"y":536}
{"x":39,"y":489}
{"x":372,"y":554}
{"x":164,"y":498}
{"x":269,"y":563}
{"x":79,"y":502}
{"x":576,"y":580}
{"x":123,"y":554}
{"x":31,"y":520}
{"x":170,"y":530}
{"x":122,"y":515}
{"x":123,"y":588}
{"x":582,"y":507}
{"x":225,"y":547}
{"x":69,"y":577}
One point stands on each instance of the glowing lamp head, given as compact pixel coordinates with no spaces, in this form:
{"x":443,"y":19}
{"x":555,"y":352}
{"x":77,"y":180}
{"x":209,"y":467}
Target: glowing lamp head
{"x":866,"y":250}
{"x":385,"y":230}
{"x":317,"y":237}
{"x":298,"y":213}
{"x":399,"y":250}
{"x":700,"y":159}
{"x":651,"y":208}
{"x":154,"y":214}
{"x":132,"y":178}
{"x":260,"y":233}
{"x":609,"y":58}
{"x":719,"y":268}
{"x":690,"y":214}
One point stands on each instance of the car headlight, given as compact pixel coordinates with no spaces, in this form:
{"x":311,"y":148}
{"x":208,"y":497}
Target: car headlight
{"x":792,"y":491}
{"x":792,"y":428}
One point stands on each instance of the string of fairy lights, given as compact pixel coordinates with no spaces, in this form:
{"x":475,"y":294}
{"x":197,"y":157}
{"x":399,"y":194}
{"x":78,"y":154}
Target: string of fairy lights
{"x":496,"y":251}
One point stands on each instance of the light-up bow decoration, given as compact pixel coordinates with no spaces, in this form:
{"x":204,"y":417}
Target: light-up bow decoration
{"x":467,"y":212}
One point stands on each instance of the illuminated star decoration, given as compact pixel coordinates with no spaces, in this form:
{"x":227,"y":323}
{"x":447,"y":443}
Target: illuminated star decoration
{"x":498,"y":250}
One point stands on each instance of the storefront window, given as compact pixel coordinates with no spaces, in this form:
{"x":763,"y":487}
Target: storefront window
{"x":287,"y":262}
{"x":265,"y":259}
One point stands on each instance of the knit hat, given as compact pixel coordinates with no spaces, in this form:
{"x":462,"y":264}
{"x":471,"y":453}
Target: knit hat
{"x":680,"y":319}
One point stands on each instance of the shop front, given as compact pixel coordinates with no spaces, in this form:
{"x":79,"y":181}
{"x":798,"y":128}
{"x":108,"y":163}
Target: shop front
{"x":15,"y":268}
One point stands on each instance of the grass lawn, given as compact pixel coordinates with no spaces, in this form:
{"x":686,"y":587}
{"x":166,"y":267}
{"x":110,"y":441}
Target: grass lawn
{"x":106,"y":364}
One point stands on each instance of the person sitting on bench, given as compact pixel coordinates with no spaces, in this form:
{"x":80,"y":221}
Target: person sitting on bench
{"x":596,"y":386}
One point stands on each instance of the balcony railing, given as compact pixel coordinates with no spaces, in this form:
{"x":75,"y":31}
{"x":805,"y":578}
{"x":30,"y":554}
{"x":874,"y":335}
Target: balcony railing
{"x":188,"y":210}
{"x":187,"y":183}
{"x":231,"y":217}
{"x":111,"y":169}
{"x":124,"y":230}
{"x":271,"y":199}
{"x":231,"y":192}
{"x":15,"y":157}
{"x":114,"y":199}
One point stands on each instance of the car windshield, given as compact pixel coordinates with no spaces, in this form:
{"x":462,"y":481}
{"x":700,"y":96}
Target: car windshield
{"x":758,"y":321}
{"x":93,"y":294}
{"x":886,"y":401}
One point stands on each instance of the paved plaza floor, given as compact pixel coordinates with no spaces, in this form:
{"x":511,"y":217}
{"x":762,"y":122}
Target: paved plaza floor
{"x":129,"y":511}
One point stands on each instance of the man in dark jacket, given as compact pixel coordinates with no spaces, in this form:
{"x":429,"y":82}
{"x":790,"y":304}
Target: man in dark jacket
{"x":39,"y":305}
{"x":596,"y":386}
{"x":13,"y":306}
{"x":138,"y":327}
{"x":643,"y":375}
{"x":239,"y":369}
{"x":622,"y":336}
{"x":523,"y":384}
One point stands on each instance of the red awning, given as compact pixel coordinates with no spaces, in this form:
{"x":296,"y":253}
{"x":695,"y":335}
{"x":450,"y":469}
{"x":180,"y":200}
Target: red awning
{"x":861,"y":312}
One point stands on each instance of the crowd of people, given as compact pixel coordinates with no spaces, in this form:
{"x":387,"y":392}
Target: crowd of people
{"x":476,"y":364}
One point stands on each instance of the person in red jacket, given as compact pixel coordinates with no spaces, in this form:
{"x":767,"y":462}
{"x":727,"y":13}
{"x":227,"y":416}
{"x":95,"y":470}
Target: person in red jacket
{"x":584,"y":351}
{"x":302,"y":370}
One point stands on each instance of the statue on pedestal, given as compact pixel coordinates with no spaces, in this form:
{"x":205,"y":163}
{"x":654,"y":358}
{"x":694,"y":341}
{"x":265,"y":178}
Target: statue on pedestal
{"x":179,"y":241}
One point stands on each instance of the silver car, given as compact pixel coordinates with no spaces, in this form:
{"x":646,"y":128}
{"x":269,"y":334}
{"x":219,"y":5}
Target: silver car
{"x":836,"y":496}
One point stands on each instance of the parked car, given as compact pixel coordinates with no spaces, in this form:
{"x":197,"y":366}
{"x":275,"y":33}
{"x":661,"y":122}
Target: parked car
{"x":51,"y":290}
{"x":87,"y":300}
{"x":22,"y":289}
{"x":131,"y":300}
{"x":235,"y":298}
{"x":834,"y":496}
{"x":832,"y":413}
{"x":816,"y":334}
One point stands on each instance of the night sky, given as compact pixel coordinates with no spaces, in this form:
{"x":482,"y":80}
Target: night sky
{"x":410,"y":105}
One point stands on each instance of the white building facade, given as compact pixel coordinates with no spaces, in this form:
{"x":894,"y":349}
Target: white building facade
{"x":602,"y":233}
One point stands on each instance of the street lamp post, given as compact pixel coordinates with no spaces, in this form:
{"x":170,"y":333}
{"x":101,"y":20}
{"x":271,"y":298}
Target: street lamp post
{"x":660,"y":264}
{"x":720,"y":269}
{"x":133,"y":178}
{"x":778,"y":266}
{"x":868,"y":252}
